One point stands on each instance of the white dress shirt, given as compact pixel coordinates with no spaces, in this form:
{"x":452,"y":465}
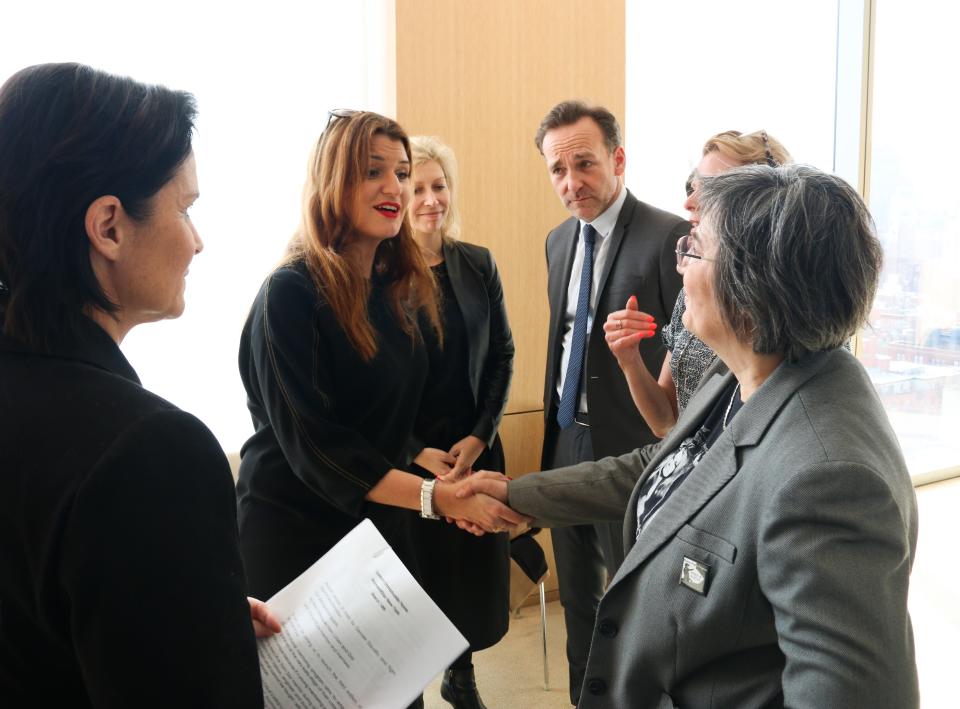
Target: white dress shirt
{"x":603,"y":225}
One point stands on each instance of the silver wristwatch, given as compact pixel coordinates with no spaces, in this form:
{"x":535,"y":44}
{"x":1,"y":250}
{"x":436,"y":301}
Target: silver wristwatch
{"x":426,"y":499}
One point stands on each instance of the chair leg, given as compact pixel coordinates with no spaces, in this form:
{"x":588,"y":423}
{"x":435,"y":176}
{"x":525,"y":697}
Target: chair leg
{"x":543,"y":631}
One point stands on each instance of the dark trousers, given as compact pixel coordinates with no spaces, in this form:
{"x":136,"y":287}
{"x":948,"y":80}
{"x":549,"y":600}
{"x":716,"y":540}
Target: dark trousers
{"x":587,"y":556}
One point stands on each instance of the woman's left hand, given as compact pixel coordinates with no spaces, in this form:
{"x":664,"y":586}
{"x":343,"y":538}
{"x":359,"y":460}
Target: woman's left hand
{"x":264,"y":622}
{"x":436,"y":461}
{"x":623,"y":331}
{"x":466,"y":451}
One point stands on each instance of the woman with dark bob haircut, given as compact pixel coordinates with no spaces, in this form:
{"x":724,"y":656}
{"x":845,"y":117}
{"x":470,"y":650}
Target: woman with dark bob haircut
{"x":121,"y":582}
{"x":772,"y":534}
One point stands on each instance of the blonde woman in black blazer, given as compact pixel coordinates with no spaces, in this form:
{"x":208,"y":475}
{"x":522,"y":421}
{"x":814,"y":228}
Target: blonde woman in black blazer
{"x":463,"y":402}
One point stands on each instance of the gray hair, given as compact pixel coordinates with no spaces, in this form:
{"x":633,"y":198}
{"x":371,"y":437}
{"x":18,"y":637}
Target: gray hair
{"x":798,"y":259}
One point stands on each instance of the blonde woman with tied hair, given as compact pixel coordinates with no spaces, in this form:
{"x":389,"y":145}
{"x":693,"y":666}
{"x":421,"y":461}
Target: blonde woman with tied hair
{"x":456,"y":427}
{"x":757,"y":148}
{"x":334,"y":365}
{"x":661,"y":400}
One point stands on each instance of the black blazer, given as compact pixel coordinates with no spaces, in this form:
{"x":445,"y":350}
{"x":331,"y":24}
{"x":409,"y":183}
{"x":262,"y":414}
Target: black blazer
{"x":641,"y":261}
{"x":479,"y":292}
{"x":121,"y":583}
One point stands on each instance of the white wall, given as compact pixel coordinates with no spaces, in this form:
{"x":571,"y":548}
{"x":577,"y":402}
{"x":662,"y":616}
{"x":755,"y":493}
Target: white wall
{"x":264,"y":75}
{"x":772,"y":65}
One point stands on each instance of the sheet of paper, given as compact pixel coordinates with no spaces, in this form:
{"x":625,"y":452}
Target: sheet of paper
{"x":358,"y":631}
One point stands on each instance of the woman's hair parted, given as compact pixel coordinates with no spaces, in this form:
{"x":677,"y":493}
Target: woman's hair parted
{"x":70,"y":134}
{"x":337,"y":167}
{"x":426,"y":148}
{"x":798,"y":259}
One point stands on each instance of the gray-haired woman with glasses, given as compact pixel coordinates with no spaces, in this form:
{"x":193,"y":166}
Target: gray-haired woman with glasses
{"x":660,"y":400}
{"x":771,"y":535}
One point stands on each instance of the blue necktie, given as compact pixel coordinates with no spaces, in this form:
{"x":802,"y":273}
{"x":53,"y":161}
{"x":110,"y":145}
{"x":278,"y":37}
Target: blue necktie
{"x":570,"y":396}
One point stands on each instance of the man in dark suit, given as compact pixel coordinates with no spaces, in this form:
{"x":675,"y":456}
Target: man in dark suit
{"x":612,"y":247}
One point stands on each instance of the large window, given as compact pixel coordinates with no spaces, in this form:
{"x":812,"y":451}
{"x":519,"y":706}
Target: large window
{"x":700,"y":67}
{"x":264,"y":75}
{"x":913,"y":347}
{"x":796,"y":70}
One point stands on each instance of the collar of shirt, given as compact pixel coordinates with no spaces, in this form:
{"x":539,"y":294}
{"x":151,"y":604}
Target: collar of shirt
{"x":605,"y":223}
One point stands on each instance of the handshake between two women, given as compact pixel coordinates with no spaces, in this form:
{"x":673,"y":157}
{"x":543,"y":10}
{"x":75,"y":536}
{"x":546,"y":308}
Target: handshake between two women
{"x":477,"y":503}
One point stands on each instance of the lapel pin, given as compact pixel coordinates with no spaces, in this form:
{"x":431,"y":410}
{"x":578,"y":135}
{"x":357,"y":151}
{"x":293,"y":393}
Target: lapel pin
{"x":695,"y":575}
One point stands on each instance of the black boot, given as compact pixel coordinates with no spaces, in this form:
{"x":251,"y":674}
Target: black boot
{"x":459,"y":687}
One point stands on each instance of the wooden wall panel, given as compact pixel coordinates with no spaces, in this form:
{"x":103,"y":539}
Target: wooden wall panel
{"x":522,"y":435}
{"x":481,"y":75}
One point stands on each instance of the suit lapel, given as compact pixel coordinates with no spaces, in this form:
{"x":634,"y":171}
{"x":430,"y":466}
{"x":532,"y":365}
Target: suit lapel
{"x":466,"y":281}
{"x":559,"y":280}
{"x":700,"y":405}
{"x":719,"y":465}
{"x":616,"y":239}
{"x":714,"y":471}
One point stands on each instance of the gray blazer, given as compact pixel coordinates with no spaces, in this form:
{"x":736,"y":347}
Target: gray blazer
{"x":802,"y":518}
{"x":642,"y":262}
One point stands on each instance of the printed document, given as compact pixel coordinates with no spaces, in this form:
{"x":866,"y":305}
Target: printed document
{"x":358,"y":632}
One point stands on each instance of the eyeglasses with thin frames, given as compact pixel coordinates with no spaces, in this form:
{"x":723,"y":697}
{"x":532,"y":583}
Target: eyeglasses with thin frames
{"x":684,"y":251}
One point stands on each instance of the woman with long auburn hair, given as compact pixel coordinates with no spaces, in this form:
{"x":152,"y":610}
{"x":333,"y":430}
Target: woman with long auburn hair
{"x":334,"y":366}
{"x":343,"y":243}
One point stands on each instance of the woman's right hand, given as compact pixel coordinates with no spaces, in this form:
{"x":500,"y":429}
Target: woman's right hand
{"x":481,"y":511}
{"x":264,"y":622}
{"x":436,"y":461}
{"x":623,"y":331}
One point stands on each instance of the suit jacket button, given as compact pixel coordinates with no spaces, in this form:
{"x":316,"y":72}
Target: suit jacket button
{"x":596,"y":686}
{"x":607,"y":628}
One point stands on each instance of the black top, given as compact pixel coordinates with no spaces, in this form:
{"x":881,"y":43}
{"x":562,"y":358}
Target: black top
{"x":447,"y":411}
{"x":121,"y":583}
{"x":478,"y":292}
{"x":467,"y":577}
{"x":328,"y":427}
